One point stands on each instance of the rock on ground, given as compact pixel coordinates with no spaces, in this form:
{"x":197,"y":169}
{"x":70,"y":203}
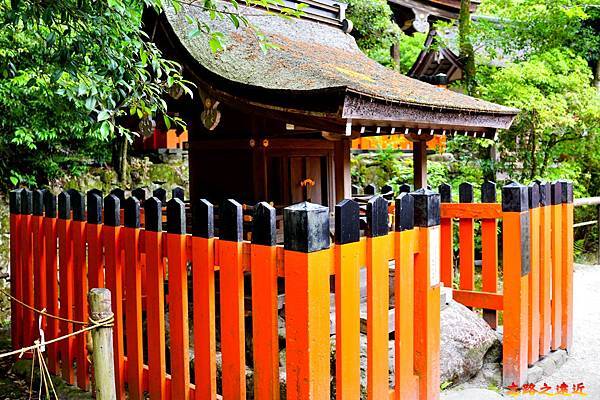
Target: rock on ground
{"x":471,"y":394}
{"x":465,"y":341}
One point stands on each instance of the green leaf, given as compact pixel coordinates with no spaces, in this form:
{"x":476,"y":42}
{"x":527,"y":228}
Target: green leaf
{"x":167,"y":121}
{"x":103,"y":116}
{"x":105,"y":129}
{"x":14,"y":180}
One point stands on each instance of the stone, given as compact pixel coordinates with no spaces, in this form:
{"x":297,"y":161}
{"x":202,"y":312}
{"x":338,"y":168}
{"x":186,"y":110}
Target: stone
{"x":535,"y":374}
{"x":465,"y":341}
{"x":559,"y":356}
{"x":547,"y":365}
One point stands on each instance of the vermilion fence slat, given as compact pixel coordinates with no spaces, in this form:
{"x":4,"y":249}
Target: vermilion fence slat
{"x":27,"y":269}
{"x":178,"y":300}
{"x":133,"y":304}
{"x":534,"y":276}
{"x":114,"y":282}
{"x":80,"y":300}
{"x":153,"y":241}
{"x":377,"y":299}
{"x":50,"y":237}
{"x":545,"y":270}
{"x":567,"y":265}
{"x":263,"y":256}
{"x":556,"y":243}
{"x":15,"y":267}
{"x":347,"y":299}
{"x":65,"y":259}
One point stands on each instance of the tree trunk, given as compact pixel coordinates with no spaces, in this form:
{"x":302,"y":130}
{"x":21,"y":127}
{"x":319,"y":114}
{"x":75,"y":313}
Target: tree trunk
{"x":119,"y":158}
{"x":467,"y":53}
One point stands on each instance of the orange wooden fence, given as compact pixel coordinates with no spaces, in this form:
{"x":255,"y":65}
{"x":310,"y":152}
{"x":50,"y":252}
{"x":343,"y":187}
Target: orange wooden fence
{"x":535,"y":292}
{"x":163,"y":280}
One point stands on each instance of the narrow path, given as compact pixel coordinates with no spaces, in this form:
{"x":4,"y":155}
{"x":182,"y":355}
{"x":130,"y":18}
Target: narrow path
{"x":583,"y":364}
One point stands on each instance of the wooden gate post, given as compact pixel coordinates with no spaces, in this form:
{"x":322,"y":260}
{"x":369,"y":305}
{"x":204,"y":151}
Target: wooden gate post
{"x":15,"y":267}
{"x":534,"y":274}
{"x":263,"y":256}
{"x":347,"y":299}
{"x":203,"y":273}
{"x":516,"y":263}
{"x":406,"y":382}
{"x":102,"y":337}
{"x":307,"y":266}
{"x":427,"y":293}
{"x":545,"y":287}
{"x":556,"y":250}
{"x":232,"y":301}
{"x":447,"y":238}
{"x":567,"y":264}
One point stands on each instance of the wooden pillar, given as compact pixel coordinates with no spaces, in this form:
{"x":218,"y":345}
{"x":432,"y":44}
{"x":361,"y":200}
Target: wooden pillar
{"x":427,"y":293}
{"x":420,"y":164}
{"x":515,"y":208}
{"x":343,"y":181}
{"x":307,"y":266}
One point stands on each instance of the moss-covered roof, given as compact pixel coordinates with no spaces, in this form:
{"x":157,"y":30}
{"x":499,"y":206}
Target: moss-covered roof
{"x":309,"y":56}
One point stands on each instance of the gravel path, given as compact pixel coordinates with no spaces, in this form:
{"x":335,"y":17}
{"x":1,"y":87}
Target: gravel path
{"x":583,"y":364}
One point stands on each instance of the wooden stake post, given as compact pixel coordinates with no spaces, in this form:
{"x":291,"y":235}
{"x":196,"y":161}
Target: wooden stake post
{"x":203,"y":273}
{"x":406,"y":384}
{"x":489,"y":256}
{"x":347,"y":299}
{"x":15,"y":268}
{"x":567,"y":265}
{"x":306,"y":228}
{"x":534,"y":274}
{"x":545,"y":272}
{"x":516,"y":261}
{"x":263,"y":256}
{"x":556,"y":248}
{"x":447,"y":238}
{"x":427,"y":293}
{"x":155,"y":303}
{"x":104,"y":372}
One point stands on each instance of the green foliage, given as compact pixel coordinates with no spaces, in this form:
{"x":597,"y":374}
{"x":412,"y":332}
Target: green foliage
{"x":374,"y":30}
{"x":560,"y":111}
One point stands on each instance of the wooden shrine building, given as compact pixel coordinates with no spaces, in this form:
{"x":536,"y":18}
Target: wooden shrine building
{"x":278,"y":124}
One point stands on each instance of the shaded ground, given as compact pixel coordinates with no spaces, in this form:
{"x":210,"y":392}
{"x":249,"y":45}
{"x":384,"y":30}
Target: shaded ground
{"x":583,"y":364}
{"x":15,"y":379}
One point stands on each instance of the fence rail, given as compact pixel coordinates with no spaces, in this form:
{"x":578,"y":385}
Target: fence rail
{"x":590,"y":201}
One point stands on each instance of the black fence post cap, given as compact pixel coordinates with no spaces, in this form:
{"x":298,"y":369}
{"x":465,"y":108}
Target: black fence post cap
{"x":77,"y":205}
{"x":160,"y":194}
{"x":26,"y":201}
{"x":556,"y":193}
{"x":515,"y":197}
{"x":120,"y":193}
{"x":264,"y":231}
{"x":404,"y":218}
{"x":153,"y":215}
{"x":545,"y":193}
{"x":176,"y":216}
{"x":534,"y":195}
{"x":377,"y":216}
{"x":355,"y":190}
{"x":405,"y":188}
{"x":231,"y":221}
{"x":306,"y":227}
{"x":178,"y":193}
{"x":203,"y":219}
{"x":140,"y":193}
{"x":465,"y":193}
{"x":347,"y":222}
{"x":387,"y":191}
{"x":64,"y":205}
{"x":427,"y":208}
{"x":132,"y":212}
{"x":94,"y":208}
{"x":445,"y":193}
{"x":370,"y":189}
{"x":15,"y":201}
{"x":50,"y":204}
{"x":38,"y":202}
{"x":488,"y":192}
{"x":566,"y":191}
{"x":112,"y":210}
